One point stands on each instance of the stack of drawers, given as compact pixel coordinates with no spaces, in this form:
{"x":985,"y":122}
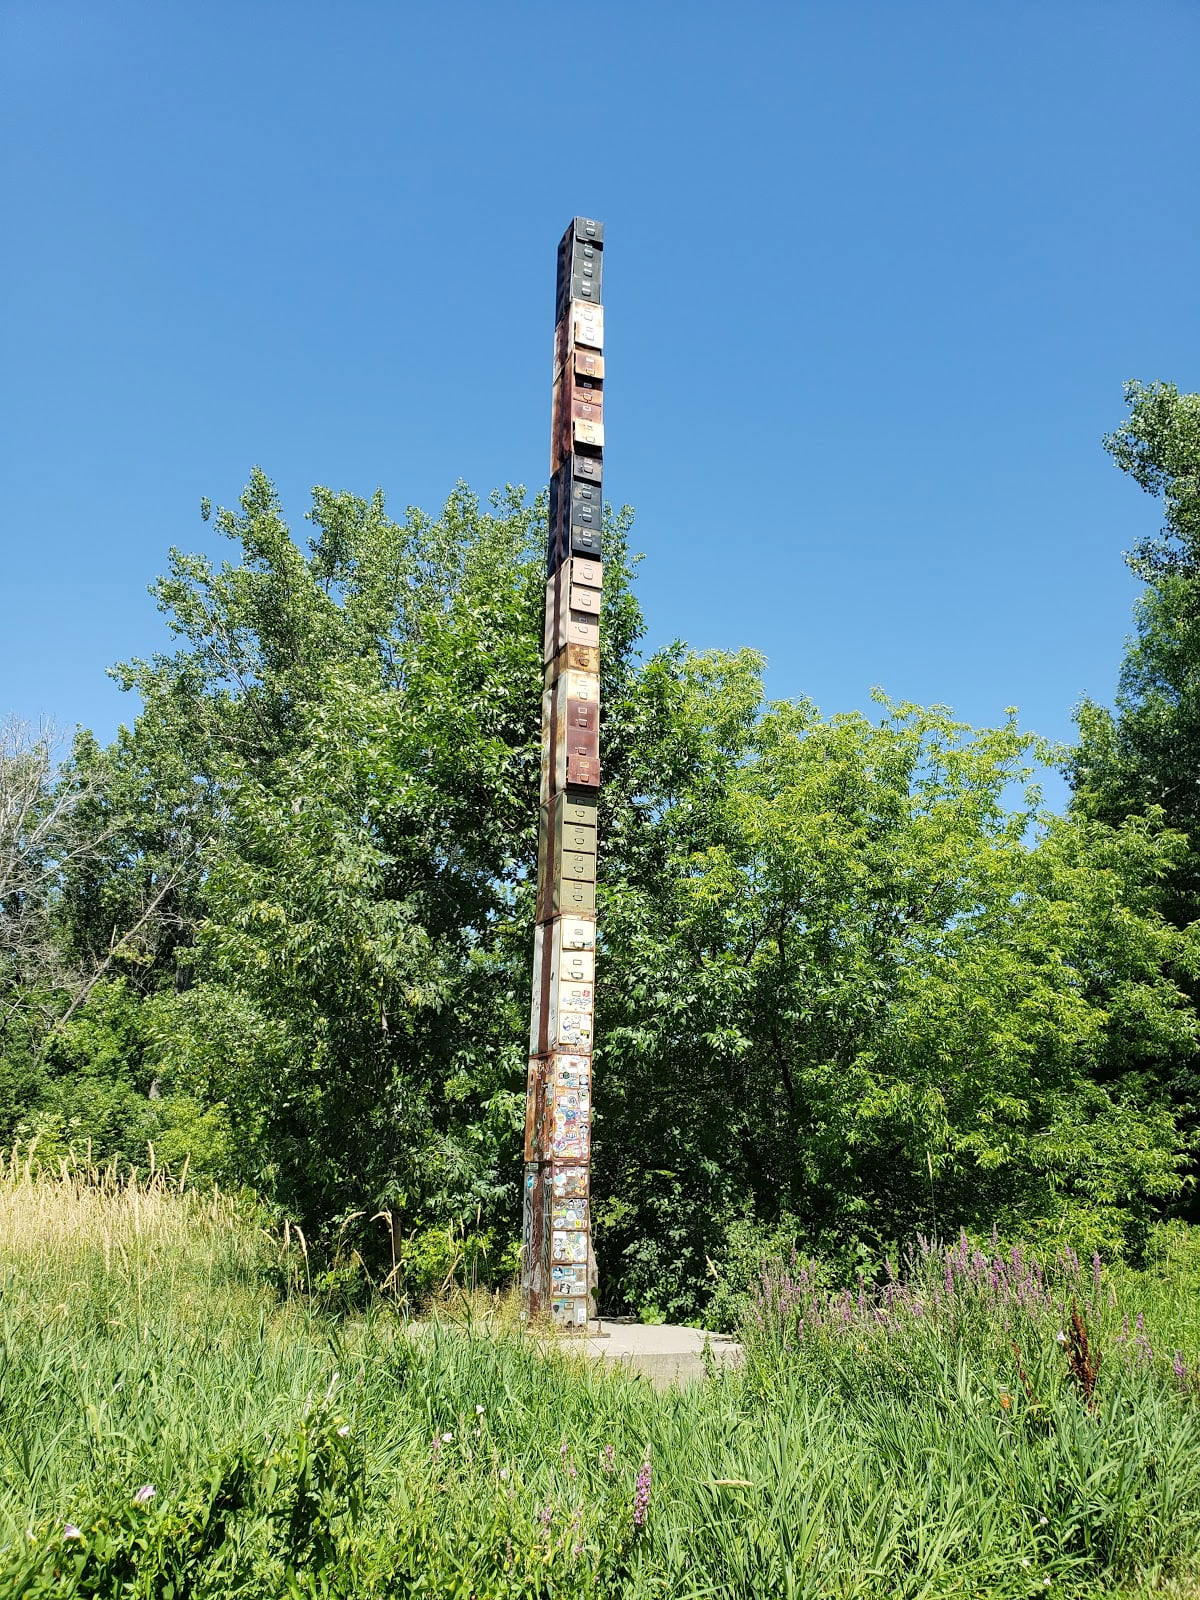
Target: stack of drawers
{"x":558,"y":1274}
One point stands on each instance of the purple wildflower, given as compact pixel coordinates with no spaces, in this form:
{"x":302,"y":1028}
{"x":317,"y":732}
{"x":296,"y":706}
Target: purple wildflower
{"x":641,"y":1495}
{"x":1179,"y":1369}
{"x":606,"y":1459}
{"x":546,"y":1514}
{"x":70,"y":1531}
{"x":144,"y":1495}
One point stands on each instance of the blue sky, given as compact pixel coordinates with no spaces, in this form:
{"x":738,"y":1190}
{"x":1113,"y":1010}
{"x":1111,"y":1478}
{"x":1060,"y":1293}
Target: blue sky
{"x":875,"y":275}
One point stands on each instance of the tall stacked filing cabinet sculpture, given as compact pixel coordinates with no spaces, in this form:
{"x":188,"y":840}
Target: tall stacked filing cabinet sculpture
{"x":558,"y":1274}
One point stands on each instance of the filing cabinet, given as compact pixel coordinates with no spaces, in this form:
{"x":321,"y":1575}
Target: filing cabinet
{"x":583,"y":772}
{"x":575,"y":864}
{"x":558,"y":1271}
{"x":577,"y":933}
{"x":584,"y":598}
{"x":568,"y":1182}
{"x":568,"y":1281}
{"x":587,"y":469}
{"x":569,"y":897}
{"x":585,"y":324}
{"x":568,"y":1213}
{"x":581,"y":658}
{"x":580,"y":271}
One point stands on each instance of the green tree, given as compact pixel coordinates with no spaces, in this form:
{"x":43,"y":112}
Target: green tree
{"x":845,"y":989}
{"x":1142,"y":758}
{"x":1145,"y":756}
{"x":359,"y":726}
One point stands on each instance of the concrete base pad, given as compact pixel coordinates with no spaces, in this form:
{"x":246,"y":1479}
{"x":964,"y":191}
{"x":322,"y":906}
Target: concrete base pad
{"x":663,"y":1353}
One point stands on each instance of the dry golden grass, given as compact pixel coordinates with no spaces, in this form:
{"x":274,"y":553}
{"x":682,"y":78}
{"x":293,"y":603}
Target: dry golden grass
{"x":71,"y":1207}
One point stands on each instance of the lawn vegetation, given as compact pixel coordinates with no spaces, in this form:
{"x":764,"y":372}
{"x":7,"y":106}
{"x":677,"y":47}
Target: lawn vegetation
{"x":178,"y":1417}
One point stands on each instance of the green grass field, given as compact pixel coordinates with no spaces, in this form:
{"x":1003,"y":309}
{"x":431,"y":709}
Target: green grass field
{"x":173,"y":1425}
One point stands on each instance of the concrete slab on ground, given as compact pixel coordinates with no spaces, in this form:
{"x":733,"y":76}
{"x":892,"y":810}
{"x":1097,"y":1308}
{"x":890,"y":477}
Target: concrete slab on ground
{"x":661,"y":1352}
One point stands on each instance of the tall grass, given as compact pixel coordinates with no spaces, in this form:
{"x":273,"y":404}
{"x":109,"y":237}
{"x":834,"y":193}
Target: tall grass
{"x":172,"y":1425}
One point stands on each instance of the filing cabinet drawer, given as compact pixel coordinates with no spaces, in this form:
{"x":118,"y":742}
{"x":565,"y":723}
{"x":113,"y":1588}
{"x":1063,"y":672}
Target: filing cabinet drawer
{"x":581,"y":686}
{"x":586,"y":323}
{"x":576,"y":966}
{"x":576,"y":840}
{"x":576,"y":685}
{"x":581,"y":742}
{"x":583,"y":772}
{"x":574,"y":811}
{"x":573,"y":1030}
{"x":568,"y":1281}
{"x":585,"y":573}
{"x":570,"y":1315}
{"x":568,"y":1213}
{"x":570,"y":1072}
{"x":587,"y":469}
{"x":579,"y":658}
{"x":587,"y":432}
{"x":588,"y":363}
{"x":575,"y":864}
{"x":577,"y":933}
{"x":568,"y":1245}
{"x":568,"y":1182}
{"x":569,"y":898}
{"x":575,"y":627}
{"x":583,"y":714}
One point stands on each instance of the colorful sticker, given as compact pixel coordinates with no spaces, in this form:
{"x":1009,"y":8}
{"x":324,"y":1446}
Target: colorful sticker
{"x":569,"y":1183}
{"x":575,"y":996}
{"x":571,"y":1104}
{"x":566,"y":1280}
{"x":569,"y":1213}
{"x":571,"y":1142}
{"x":575,"y":1028}
{"x":569,"y":1246}
{"x":574,"y":1078}
{"x":569,"y":1313}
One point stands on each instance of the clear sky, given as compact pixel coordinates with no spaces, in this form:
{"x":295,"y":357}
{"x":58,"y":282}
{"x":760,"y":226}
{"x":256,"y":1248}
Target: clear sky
{"x":875,"y":274}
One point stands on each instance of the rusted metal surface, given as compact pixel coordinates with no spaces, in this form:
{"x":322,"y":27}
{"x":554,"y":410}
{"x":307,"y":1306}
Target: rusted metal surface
{"x":558,"y":1274}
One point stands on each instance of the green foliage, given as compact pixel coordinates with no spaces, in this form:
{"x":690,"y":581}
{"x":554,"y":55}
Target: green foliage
{"x":847,"y":989}
{"x":1142,"y":759}
{"x":291,"y":1453}
{"x":855,"y":988}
